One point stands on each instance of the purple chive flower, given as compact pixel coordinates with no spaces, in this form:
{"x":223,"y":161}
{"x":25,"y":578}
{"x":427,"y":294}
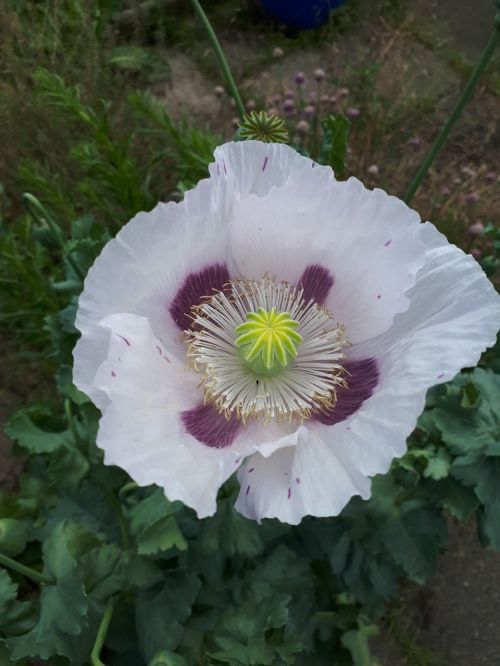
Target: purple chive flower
{"x":272,"y":112}
{"x":235,"y":122}
{"x":219,"y":91}
{"x":472,"y":198}
{"x":289,"y":94}
{"x":278,"y":52}
{"x":299,"y":78}
{"x":250,"y":105}
{"x":353,"y":112}
{"x":289,"y":107}
{"x":319,"y":74}
{"x":414,"y":141}
{"x":373,"y":170}
{"x":445,"y":192}
{"x":324,"y":99}
{"x":476,"y":253}
{"x":303,"y":127}
{"x":333,"y":100}
{"x":490,"y":177}
{"x":276,"y":100}
{"x":343,"y":92}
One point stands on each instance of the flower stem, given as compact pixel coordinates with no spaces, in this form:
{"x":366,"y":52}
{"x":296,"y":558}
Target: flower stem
{"x":28,"y":572}
{"x":231,"y":84}
{"x":40,"y":215}
{"x":95,"y":655}
{"x":455,"y":114}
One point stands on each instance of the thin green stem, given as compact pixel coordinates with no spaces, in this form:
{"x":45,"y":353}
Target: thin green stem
{"x":39,"y":214}
{"x":455,"y":114}
{"x":231,"y":84}
{"x":95,"y":655}
{"x":28,"y":572}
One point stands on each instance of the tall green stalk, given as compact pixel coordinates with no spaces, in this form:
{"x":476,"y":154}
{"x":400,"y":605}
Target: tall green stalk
{"x":231,"y":84}
{"x":455,"y":114}
{"x":95,"y":655}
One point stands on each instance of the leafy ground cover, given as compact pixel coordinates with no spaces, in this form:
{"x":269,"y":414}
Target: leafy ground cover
{"x":223,"y":590}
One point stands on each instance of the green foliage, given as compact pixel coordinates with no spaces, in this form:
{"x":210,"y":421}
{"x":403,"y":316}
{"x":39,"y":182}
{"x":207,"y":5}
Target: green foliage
{"x":335,"y":143}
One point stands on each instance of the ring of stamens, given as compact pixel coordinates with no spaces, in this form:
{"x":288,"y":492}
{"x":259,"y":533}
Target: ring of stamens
{"x":308,"y":381}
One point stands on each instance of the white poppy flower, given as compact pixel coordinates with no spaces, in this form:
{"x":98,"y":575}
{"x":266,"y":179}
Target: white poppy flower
{"x":279,"y":323}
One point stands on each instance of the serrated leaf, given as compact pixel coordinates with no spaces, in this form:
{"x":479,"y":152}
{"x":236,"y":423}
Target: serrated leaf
{"x":8,"y":592}
{"x":161,"y":536}
{"x":438,"y":466}
{"x":31,"y":436}
{"x":162,"y":610}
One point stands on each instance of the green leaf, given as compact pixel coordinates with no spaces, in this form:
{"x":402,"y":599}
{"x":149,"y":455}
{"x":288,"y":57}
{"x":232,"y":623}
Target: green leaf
{"x":438,"y":466}
{"x":168,"y":658}
{"x":161,"y":611}
{"x":489,"y":525}
{"x":24,"y":428}
{"x":161,"y":536}
{"x":357,"y":642}
{"x":8,"y":592}
{"x":335,"y":142}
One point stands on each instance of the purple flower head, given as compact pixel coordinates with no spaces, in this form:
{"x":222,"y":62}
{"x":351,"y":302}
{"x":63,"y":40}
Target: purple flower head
{"x":445,"y":192}
{"x":476,"y":253}
{"x":472,"y":198}
{"x":373,"y":170}
{"x":250,"y":105}
{"x":299,"y":78}
{"x":490,"y":177}
{"x":289,"y":94}
{"x":414,"y":141}
{"x":219,"y":91}
{"x":289,"y":107}
{"x":343,"y":92}
{"x":353,"y":112}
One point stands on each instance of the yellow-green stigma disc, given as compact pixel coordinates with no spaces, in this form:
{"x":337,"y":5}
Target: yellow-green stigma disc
{"x":267,"y":341}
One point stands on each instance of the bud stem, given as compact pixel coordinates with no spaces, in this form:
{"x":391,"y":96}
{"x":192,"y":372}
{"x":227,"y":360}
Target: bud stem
{"x":28,"y":572}
{"x":455,"y":114}
{"x":219,"y":53}
{"x":95,"y":658}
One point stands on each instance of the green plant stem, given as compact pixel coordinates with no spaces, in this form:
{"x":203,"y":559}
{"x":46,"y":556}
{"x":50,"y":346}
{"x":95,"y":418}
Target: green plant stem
{"x":455,"y":114}
{"x":25,"y":571}
{"x":95,"y":655}
{"x":40,"y":215}
{"x":231,"y":84}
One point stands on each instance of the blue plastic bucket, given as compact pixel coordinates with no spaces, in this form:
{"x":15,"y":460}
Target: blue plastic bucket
{"x":301,"y":14}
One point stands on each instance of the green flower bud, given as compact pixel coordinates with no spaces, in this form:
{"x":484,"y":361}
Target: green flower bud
{"x":12,"y":536}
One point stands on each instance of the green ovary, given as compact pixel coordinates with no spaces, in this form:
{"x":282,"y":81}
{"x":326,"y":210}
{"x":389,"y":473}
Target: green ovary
{"x":267,"y":341}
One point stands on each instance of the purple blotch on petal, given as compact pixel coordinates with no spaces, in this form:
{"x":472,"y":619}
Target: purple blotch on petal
{"x":248,"y":490}
{"x":251,"y":469}
{"x":197,"y":285}
{"x":265,"y":163}
{"x":124,"y":340}
{"x":362,"y":379}
{"x":387,"y":243}
{"x":316,"y":281}
{"x":210,"y":427}
{"x":289,"y":493}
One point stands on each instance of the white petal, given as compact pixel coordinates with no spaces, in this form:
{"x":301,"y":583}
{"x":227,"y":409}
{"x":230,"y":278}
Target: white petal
{"x":141,"y":430}
{"x":367,"y":240}
{"x":141,"y":270}
{"x":253,"y":167}
{"x":312,"y":478}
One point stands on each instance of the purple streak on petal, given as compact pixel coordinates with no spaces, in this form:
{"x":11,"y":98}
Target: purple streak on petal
{"x":224,"y":165}
{"x":210,"y":427}
{"x":316,"y":282}
{"x":251,"y":469}
{"x":248,"y":490}
{"x":197,"y":285}
{"x":362,"y":380}
{"x":113,"y":373}
{"x":387,"y":243}
{"x":218,"y":169}
{"x":289,"y":493}
{"x":297,"y":480}
{"x":379,"y":296}
{"x":124,"y":340}
{"x":265,"y":164}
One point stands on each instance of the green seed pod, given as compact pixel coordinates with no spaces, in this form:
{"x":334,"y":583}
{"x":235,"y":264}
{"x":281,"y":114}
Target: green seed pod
{"x":12,"y":536}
